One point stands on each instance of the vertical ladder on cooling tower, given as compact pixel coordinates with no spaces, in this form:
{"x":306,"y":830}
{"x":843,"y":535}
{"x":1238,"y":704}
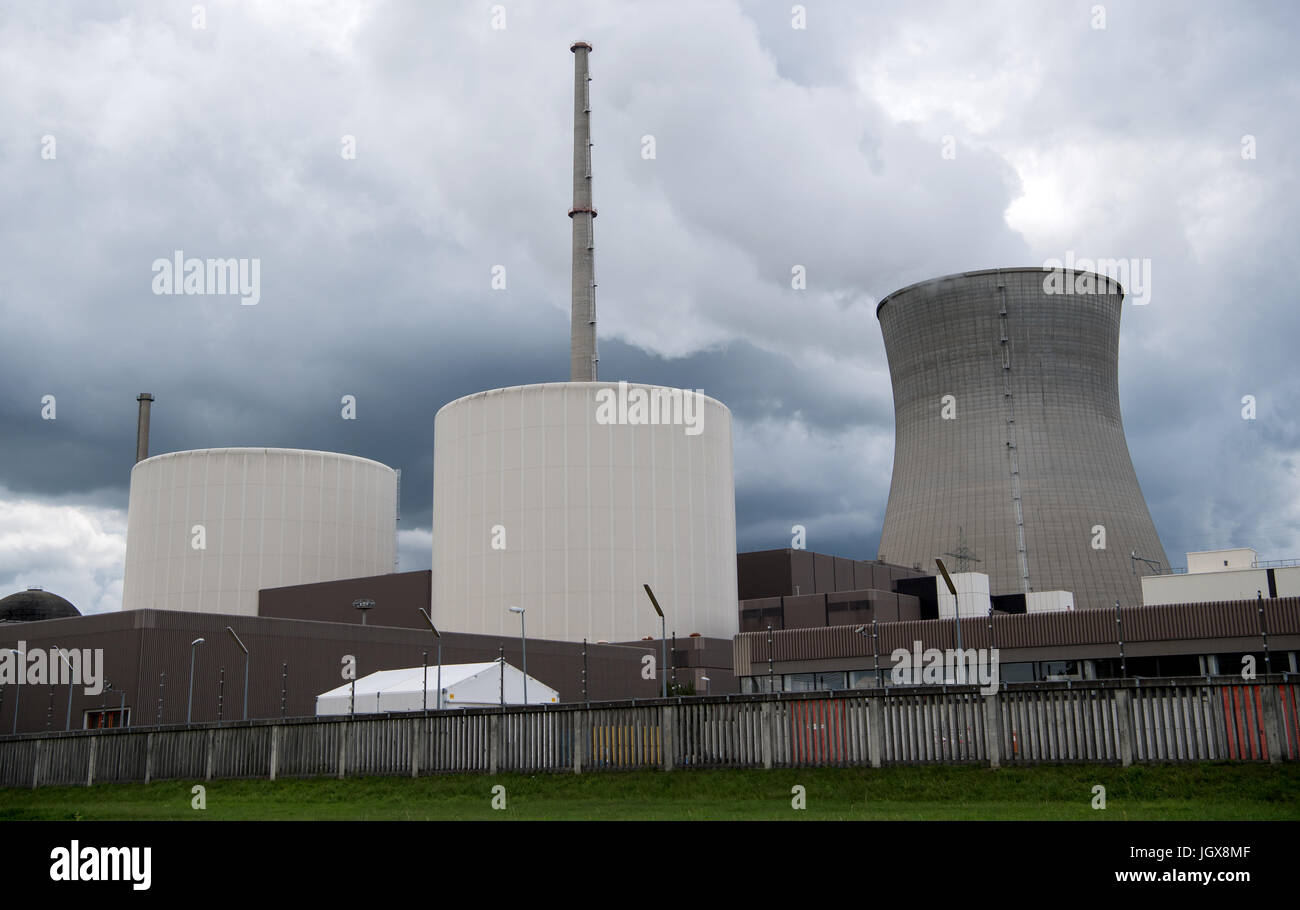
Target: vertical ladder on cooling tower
{"x":1013,"y":456}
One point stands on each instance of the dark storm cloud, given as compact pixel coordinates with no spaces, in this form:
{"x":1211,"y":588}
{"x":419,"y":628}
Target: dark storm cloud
{"x":775,"y":148}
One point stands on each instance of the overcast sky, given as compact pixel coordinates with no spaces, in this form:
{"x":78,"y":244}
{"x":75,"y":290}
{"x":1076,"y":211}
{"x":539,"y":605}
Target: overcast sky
{"x":127,"y":133}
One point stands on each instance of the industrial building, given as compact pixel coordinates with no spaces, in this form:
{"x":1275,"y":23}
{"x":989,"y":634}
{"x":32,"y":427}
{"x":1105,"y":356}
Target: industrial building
{"x":838,"y":635}
{"x":565,"y":500}
{"x":838,"y":638}
{"x":1173,"y":640}
{"x":34,"y":604}
{"x":537,"y":504}
{"x":208,"y":529}
{"x":1009,"y":449}
{"x":147,"y":660}
{"x":551,"y":498}
{"x":1235,"y":574}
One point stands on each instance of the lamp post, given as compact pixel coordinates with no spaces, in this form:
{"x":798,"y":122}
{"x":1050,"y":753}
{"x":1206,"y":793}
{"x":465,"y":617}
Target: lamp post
{"x":121,"y":710}
{"x":363,"y":604}
{"x":67,"y":724}
{"x":875,"y":652}
{"x":1263,"y":631}
{"x":707,"y":687}
{"x":992,"y":642}
{"x":189,"y":707}
{"x":523,"y":643}
{"x":245,"y":650}
{"x":955,"y":601}
{"x":663,"y":637}
{"x":674,"y":660}
{"x":1119,"y":625}
{"x":437,"y":635}
{"x":18,"y":688}
{"x":770,"y":678}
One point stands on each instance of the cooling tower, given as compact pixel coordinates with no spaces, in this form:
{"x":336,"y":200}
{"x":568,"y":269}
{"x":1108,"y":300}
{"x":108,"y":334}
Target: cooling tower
{"x":1009,"y":447}
{"x":207,"y":529}
{"x":565,"y":498}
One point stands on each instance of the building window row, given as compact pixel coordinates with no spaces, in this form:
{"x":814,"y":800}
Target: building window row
{"x":1171,"y":665}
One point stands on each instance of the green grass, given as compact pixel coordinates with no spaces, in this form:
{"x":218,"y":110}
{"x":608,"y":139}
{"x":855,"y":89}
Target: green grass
{"x":1050,"y":792}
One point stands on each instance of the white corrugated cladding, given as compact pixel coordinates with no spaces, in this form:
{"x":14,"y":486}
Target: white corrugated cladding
{"x":539,"y":504}
{"x":268,"y":517}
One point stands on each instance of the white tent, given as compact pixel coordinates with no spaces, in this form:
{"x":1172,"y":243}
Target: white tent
{"x":463,"y":686}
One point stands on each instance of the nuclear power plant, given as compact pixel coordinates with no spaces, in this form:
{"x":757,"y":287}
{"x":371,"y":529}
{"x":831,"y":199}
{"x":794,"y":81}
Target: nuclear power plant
{"x":1009,"y":450}
{"x":580,"y":526}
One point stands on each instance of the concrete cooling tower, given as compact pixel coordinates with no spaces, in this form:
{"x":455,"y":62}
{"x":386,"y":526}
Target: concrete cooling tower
{"x":207,"y":529}
{"x":1009,"y":453}
{"x":565,"y":498}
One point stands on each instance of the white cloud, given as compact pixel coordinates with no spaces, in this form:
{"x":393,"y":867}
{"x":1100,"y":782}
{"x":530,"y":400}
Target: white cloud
{"x":414,"y":549}
{"x":73,"y":550}
{"x":775,"y":147}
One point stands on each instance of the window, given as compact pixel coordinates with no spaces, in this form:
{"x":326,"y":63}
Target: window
{"x":800,"y":682}
{"x":1232,"y":665}
{"x":103,"y":720}
{"x":763,"y":683}
{"x":1059,"y":669}
{"x":849,"y":605}
{"x":830,"y":681}
{"x":1023,"y":672}
{"x":866,"y":679}
{"x":1181,"y":665}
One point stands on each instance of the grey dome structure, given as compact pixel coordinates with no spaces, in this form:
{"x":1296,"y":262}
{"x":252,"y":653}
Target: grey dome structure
{"x":33,"y":605}
{"x":1009,"y":446}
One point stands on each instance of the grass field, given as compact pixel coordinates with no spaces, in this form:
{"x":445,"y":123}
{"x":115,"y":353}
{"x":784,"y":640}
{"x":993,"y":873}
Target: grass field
{"x":1210,"y":792}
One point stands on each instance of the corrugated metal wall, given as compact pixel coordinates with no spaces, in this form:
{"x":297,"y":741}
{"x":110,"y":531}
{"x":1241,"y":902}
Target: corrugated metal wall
{"x":1059,"y":631}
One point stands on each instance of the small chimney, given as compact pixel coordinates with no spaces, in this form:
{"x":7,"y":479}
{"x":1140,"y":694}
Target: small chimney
{"x":142,"y":428}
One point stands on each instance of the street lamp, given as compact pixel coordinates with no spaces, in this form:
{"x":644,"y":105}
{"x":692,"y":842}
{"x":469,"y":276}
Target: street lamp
{"x":663,"y":638}
{"x":67,"y":724}
{"x":363,"y":604}
{"x":189,"y":707}
{"x":18,"y":689}
{"x":875,"y":647}
{"x":245,"y":650}
{"x":707,"y":687}
{"x":523,"y":641}
{"x":956,"y":606}
{"x":121,"y":710}
{"x":437,"y":635}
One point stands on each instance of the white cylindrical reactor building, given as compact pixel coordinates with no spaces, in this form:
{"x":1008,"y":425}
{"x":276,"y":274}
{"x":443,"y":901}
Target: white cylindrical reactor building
{"x":566,"y":498}
{"x":207,"y":529}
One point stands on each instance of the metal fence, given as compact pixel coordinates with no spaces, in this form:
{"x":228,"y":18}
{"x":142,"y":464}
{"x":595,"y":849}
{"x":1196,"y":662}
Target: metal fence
{"x":1121,"y":722}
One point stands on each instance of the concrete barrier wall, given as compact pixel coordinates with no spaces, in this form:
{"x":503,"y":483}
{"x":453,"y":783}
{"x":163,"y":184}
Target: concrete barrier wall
{"x":1109,"y":722}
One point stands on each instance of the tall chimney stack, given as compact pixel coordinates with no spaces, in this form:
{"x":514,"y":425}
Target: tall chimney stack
{"x":142,"y":428}
{"x":582,"y":335}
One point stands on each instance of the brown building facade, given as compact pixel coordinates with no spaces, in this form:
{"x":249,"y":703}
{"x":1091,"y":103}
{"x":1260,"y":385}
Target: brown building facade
{"x":146,"y":655}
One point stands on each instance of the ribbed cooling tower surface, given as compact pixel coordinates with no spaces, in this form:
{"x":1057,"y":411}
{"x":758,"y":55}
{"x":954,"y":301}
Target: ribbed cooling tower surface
{"x":1009,"y":453}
